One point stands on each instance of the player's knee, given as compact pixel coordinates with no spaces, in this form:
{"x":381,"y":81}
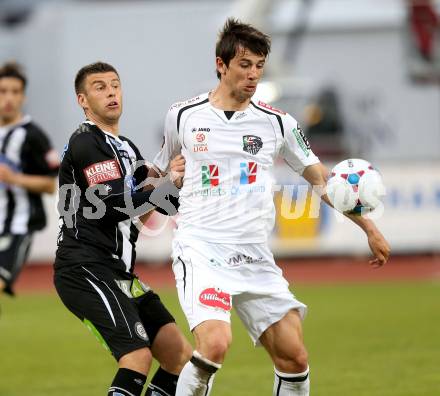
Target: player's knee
{"x":138,"y":360}
{"x":292,"y":361}
{"x":215,"y":348}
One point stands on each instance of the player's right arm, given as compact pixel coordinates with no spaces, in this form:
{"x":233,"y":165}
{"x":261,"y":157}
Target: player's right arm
{"x":171,"y":146}
{"x":168,"y":160}
{"x":317,"y":175}
{"x":298,"y":154}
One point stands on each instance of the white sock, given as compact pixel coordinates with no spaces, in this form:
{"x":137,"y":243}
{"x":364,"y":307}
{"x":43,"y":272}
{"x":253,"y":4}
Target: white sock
{"x":297,"y":384}
{"x":197,"y":376}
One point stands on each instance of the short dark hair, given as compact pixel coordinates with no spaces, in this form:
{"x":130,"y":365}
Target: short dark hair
{"x":93,"y":68}
{"x":236,"y":34}
{"x":13,"y":70}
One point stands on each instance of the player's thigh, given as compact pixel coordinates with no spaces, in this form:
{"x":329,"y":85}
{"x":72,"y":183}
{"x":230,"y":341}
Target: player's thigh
{"x":202,"y":288}
{"x":283,"y":340}
{"x":94,"y":297}
{"x":14,"y":250}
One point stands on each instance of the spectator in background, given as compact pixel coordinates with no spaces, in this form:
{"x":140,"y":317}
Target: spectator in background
{"x":28,"y":168}
{"x":425,"y":27}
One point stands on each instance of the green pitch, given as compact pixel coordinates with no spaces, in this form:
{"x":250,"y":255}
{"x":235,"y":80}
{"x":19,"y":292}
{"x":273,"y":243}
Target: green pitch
{"x":363,"y":340}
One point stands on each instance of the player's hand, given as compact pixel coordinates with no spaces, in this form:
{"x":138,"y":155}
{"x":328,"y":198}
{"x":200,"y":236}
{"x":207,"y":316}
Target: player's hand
{"x":177,"y":170}
{"x":6,"y":174}
{"x":380,"y":248}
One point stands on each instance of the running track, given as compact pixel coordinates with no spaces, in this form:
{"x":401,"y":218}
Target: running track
{"x":38,"y":278}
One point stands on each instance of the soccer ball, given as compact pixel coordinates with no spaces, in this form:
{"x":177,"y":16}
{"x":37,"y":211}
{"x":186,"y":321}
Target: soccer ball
{"x":355,"y":186}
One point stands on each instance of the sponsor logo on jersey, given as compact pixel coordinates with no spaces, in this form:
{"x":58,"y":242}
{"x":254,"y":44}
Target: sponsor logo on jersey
{"x":200,"y":137}
{"x":252,"y":144}
{"x":302,"y":140}
{"x":140,"y":331}
{"x":269,"y":107}
{"x":209,"y":192}
{"x":248,"y":172}
{"x":200,"y":148}
{"x":255,"y":189}
{"x":210,"y":175}
{"x":215,"y":298}
{"x":102,"y":172}
{"x":200,"y":140}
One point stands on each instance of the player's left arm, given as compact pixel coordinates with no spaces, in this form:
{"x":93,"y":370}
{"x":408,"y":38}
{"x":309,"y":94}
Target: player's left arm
{"x":42,"y":164}
{"x":317,"y":176}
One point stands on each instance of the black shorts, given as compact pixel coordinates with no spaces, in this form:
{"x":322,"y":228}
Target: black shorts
{"x":122,"y":312}
{"x":14,"y":251}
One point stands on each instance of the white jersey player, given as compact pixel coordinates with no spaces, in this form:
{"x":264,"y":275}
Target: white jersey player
{"x":230,"y":141}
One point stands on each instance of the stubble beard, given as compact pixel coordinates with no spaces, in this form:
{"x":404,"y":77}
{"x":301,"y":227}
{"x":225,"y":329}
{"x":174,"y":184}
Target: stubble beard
{"x":241,"y":96}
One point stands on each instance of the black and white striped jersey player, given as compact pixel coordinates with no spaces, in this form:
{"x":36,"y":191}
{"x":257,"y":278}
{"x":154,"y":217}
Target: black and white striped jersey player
{"x":28,"y":169}
{"x":102,"y":203}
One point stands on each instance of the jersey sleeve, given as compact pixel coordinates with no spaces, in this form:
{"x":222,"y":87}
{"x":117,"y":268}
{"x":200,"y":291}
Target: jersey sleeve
{"x":40,"y":157}
{"x":295,"y":148}
{"x":171,"y":145}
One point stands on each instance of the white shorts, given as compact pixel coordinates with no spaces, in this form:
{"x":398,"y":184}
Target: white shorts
{"x":211,"y":278}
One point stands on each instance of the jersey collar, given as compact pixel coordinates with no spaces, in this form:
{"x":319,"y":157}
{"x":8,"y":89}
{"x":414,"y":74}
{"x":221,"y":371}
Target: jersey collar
{"x":103,"y":131}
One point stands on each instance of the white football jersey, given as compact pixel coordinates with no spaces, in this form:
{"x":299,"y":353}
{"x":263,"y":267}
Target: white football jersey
{"x":227,"y":190}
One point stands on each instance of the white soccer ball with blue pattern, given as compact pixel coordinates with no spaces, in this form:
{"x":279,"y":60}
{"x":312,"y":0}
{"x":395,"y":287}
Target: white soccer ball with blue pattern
{"x":355,"y":186}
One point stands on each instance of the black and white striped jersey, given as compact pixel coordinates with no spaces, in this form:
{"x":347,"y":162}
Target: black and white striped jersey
{"x":98,"y":172}
{"x":25,"y":148}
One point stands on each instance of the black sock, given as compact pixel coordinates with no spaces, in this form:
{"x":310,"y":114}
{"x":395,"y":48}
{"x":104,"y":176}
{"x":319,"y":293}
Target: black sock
{"x":127,"y":382}
{"x":163,"y":384}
